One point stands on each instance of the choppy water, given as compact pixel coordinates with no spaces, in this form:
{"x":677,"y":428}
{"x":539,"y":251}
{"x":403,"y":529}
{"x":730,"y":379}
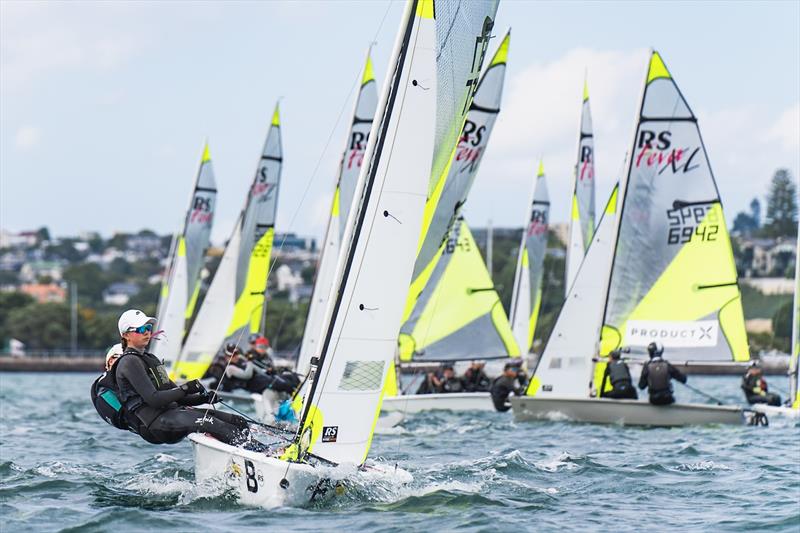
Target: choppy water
{"x":63,"y":469}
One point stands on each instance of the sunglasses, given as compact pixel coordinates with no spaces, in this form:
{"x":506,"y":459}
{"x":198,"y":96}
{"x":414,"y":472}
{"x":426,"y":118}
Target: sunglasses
{"x":141,"y":330}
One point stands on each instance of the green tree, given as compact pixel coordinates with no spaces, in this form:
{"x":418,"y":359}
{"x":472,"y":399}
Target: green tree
{"x":40,"y":326}
{"x":90,"y":278}
{"x":10,"y":301}
{"x":781,"y":206}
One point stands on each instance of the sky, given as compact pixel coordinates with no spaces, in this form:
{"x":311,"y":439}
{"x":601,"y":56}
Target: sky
{"x":104,"y":107}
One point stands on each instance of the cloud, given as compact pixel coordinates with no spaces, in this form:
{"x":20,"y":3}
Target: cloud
{"x":540,"y":116}
{"x":27,"y":138}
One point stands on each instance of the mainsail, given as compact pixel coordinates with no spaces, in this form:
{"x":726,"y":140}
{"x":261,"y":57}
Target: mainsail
{"x":452,"y":184}
{"x":459,"y":315}
{"x":182,"y":283}
{"x":234,"y":304}
{"x":673,"y":278}
{"x":349,"y":168}
{"x":453,"y":310}
{"x":526,"y":297}
{"x":437,"y":60}
{"x":581,"y":224}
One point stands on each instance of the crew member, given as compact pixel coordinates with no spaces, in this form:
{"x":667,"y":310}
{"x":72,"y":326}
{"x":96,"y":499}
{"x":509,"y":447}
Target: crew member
{"x":261,"y":353}
{"x":619,"y":376}
{"x":657,"y":376}
{"x":449,"y":381}
{"x":755,"y":387}
{"x":155,"y":407}
{"x":243,"y":373}
{"x":475,"y":379}
{"x":511,"y":381}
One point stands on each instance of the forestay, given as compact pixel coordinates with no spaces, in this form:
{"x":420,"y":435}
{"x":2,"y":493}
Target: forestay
{"x":526,"y":298}
{"x":350,"y":165}
{"x":459,"y":315}
{"x":234,"y":304}
{"x":673,"y":278}
{"x":437,"y":60}
{"x":182,"y":280}
{"x":581,"y":224}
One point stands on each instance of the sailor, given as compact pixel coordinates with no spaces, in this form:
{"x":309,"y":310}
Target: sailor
{"x":511,"y":381}
{"x":449,"y":381}
{"x":241,"y":373}
{"x":755,"y":387}
{"x":657,"y":376}
{"x":261,"y":353}
{"x":105,"y":395}
{"x":619,"y":376}
{"x":155,"y":407}
{"x":475,"y":379}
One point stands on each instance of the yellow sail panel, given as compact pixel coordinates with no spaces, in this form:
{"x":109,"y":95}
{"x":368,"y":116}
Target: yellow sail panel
{"x":248,"y":307}
{"x":696,"y":285}
{"x":459,"y":302}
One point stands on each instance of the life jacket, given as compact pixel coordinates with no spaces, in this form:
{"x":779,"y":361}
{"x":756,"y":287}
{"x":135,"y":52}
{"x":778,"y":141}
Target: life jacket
{"x":619,"y":375}
{"x":106,"y":400}
{"x":158,"y":375}
{"x":658,"y":378}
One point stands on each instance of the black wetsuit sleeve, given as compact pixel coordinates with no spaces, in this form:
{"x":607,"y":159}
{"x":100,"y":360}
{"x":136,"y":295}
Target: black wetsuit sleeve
{"x":643,"y":377}
{"x":677,"y":374}
{"x":606,"y":376}
{"x":193,"y":399}
{"x":135,"y":372}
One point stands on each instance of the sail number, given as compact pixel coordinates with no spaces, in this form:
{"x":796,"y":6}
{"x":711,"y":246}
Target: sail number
{"x":250,"y":475}
{"x":698,"y":222}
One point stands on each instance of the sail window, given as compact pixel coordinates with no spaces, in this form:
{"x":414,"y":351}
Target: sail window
{"x":362,"y":376}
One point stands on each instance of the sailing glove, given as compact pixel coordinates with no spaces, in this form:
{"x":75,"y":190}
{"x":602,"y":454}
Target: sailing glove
{"x":193,"y":387}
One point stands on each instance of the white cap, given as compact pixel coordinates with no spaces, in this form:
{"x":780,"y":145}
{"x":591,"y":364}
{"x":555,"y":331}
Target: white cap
{"x":114,"y":351}
{"x":132,"y":319}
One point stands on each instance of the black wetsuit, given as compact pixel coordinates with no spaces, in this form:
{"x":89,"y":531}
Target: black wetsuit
{"x":476,"y":381}
{"x":160,"y":411}
{"x":755,"y":389}
{"x":657,"y":376}
{"x":242,"y":374}
{"x":452,"y":384}
{"x":619,"y":376}
{"x":502,"y":388}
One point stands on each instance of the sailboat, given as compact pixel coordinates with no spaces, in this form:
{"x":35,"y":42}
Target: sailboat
{"x":581,"y":223}
{"x":182,"y":280}
{"x":669,"y":276}
{"x":235,"y":302}
{"x":453,"y":312}
{"x":429,"y":86}
{"x":526,"y":298}
{"x":792,"y":407}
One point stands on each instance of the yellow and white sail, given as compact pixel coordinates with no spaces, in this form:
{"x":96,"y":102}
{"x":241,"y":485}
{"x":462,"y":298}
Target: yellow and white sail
{"x":794,"y":366}
{"x":436,"y":60}
{"x":182,"y":280}
{"x":234,"y":304}
{"x":672,"y":276}
{"x":581,"y":223}
{"x":349,"y":168}
{"x":526,"y":298}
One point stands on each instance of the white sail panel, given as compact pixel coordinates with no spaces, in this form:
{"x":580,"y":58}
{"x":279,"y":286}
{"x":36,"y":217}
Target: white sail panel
{"x":363,"y":319}
{"x":171,"y":316}
{"x":794,"y":366}
{"x":530,"y":266}
{"x":565,"y":368}
{"x":583,"y":204}
{"x":673,"y":278}
{"x":352,"y":158}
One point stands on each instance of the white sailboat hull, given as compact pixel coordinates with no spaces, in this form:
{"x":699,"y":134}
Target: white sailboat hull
{"x":771,"y":410}
{"x":263,"y":481}
{"x":624,"y":412}
{"x":455,"y":401}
